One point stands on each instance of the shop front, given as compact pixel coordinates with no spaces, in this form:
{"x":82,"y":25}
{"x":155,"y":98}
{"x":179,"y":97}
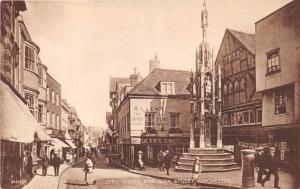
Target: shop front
{"x":176,"y":145}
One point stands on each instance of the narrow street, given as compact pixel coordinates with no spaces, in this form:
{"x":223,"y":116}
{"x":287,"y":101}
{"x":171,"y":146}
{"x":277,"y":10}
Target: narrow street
{"x":107,"y":177}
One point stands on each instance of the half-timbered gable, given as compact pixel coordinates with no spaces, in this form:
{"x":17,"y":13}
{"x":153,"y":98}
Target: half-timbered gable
{"x":241,"y":108}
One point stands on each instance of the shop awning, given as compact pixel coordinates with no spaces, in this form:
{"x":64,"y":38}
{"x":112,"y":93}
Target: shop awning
{"x":71,"y":144}
{"x":17,"y":123}
{"x":59,"y":143}
{"x":42,"y":135}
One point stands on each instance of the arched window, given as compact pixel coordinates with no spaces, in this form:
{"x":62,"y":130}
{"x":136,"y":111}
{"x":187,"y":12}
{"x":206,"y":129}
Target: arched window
{"x":225,"y":89}
{"x":230,"y":88}
{"x":243,"y":84}
{"x":236,"y":86}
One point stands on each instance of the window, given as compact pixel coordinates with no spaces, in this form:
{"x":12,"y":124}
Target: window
{"x":174,"y":119}
{"x":52,"y":119}
{"x":149,"y":117}
{"x":53,"y":97}
{"x":280,"y":102}
{"x":273,"y":61}
{"x":29,"y":58}
{"x":167,"y":87}
{"x":230,"y":88}
{"x":57,"y":121}
{"x":40,"y":113}
{"x":57,"y":100}
{"x":30,"y":100}
{"x":236,"y":86}
{"x":48,"y":93}
{"x":225,"y":89}
{"x":41,"y":76}
{"x":259,"y":116}
{"x":243,"y":84}
{"x":48,"y":118}
{"x":252,"y":120}
{"x":245,"y":117}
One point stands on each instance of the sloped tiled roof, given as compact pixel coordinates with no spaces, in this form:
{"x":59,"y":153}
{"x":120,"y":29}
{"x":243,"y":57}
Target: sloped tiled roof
{"x":148,"y":85}
{"x":247,"y":39}
{"x":113,"y":82}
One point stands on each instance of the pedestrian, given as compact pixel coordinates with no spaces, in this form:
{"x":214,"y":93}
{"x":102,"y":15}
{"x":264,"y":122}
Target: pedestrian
{"x":160,"y":160}
{"x":68,"y":158}
{"x":259,"y":164}
{"x":88,"y":170}
{"x":167,"y":161}
{"x":105,"y":153}
{"x":56,"y":164}
{"x":197,"y":169}
{"x":29,"y":165}
{"x":272,"y":161}
{"x":140,"y":160}
{"x":45,"y":164}
{"x":71,"y":158}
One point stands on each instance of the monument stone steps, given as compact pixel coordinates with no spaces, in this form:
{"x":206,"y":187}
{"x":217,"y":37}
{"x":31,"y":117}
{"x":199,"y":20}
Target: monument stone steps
{"x":212,"y":159}
{"x":208,"y":161}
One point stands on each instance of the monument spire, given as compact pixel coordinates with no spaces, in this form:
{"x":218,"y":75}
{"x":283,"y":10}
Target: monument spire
{"x":204,"y":22}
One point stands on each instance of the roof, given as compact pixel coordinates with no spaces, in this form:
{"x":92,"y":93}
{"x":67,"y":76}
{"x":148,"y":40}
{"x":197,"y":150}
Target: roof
{"x":247,"y":39}
{"x":148,"y":85}
{"x":114,"y":80}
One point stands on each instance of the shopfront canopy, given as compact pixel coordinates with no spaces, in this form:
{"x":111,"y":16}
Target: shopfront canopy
{"x":57,"y":142}
{"x":42,"y":135}
{"x":16,"y":122}
{"x":71,"y":144}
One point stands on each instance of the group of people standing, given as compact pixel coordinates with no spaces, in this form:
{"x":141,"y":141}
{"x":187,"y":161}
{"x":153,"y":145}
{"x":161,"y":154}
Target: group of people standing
{"x":54,"y":161}
{"x":268,"y":161}
{"x":164,"y":160}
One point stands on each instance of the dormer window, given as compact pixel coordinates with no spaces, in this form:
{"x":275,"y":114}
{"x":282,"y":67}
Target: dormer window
{"x":167,"y":88}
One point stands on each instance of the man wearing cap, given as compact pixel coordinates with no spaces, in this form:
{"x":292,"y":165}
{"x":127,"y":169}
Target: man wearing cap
{"x":167,"y":161}
{"x":273,"y":159}
{"x":259,"y":164}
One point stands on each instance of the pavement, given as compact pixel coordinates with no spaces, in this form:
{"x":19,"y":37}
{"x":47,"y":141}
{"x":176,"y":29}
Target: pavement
{"x":230,"y":179}
{"x":50,"y":181}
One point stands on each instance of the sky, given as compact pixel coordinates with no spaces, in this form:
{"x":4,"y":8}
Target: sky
{"x":83,"y":43}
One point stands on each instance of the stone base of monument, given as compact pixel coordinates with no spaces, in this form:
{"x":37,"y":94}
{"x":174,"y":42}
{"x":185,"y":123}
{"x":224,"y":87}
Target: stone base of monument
{"x":212,"y":159}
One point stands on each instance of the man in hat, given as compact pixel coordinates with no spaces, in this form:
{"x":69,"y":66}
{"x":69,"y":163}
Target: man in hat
{"x":259,"y":164}
{"x":197,"y":169}
{"x":273,"y":163}
{"x":160,"y":159}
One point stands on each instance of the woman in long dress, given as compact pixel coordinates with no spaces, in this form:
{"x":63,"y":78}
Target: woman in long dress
{"x":88,"y":170}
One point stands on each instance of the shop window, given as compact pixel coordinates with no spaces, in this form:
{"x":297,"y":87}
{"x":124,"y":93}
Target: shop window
{"x":149,"y":117}
{"x":174,"y":119}
{"x":29,"y":58}
{"x":273,"y":61}
{"x":280,"y":102}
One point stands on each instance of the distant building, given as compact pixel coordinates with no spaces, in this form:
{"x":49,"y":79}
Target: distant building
{"x":278,"y":77}
{"x":117,"y":86}
{"x":154,"y":115}
{"x":242,"y":106}
{"x":65,"y":115}
{"x":54,"y":107}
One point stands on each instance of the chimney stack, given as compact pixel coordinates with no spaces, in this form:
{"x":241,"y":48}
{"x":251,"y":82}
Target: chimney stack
{"x":154,"y":63}
{"x":134,"y":78}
